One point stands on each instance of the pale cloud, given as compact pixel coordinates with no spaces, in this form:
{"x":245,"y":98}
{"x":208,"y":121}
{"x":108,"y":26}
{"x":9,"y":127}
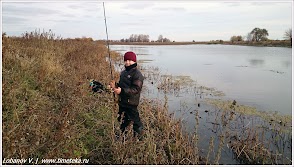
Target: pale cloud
{"x":169,"y":9}
{"x":177,"y":20}
{"x":137,"y":5}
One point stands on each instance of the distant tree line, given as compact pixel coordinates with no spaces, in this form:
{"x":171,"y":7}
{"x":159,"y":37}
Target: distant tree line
{"x":161,"y":39}
{"x":288,"y":34}
{"x":236,"y":38}
{"x":144,"y":38}
{"x":137,"y":38}
{"x":258,"y":34}
{"x":255,"y":35}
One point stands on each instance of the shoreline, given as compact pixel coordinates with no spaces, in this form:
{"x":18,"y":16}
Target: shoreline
{"x":272,"y":43}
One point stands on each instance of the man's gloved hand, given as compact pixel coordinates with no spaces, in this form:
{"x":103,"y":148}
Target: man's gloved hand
{"x":112,"y":84}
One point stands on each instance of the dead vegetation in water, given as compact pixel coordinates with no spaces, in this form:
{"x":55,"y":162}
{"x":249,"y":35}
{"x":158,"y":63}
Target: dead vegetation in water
{"x":185,"y":84}
{"x":278,"y":72}
{"x":254,"y":137}
{"x":144,"y":61}
{"x":251,"y":148}
{"x":271,"y":117}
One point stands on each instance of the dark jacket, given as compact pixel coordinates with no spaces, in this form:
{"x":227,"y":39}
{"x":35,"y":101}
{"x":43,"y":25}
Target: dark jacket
{"x":131,"y":82}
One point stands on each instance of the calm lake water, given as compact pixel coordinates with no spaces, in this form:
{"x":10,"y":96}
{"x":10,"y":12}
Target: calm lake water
{"x":255,"y":76}
{"x":260,"y":77}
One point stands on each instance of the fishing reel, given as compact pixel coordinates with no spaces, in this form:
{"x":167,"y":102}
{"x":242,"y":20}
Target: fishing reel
{"x":96,"y":86}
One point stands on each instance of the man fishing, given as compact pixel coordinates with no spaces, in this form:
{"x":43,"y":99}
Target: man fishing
{"x":129,"y":89}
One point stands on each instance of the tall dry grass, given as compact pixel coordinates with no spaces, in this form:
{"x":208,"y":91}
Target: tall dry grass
{"x":164,"y":141}
{"x":48,"y":111}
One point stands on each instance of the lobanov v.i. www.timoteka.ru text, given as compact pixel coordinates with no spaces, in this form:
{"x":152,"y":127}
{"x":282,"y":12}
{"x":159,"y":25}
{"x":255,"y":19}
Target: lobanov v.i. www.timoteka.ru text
{"x":45,"y":161}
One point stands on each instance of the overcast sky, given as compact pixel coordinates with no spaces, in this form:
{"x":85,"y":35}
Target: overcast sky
{"x":175,"y":20}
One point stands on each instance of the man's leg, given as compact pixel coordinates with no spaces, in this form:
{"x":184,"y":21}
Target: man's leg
{"x":125,"y":120}
{"x":138,"y":125}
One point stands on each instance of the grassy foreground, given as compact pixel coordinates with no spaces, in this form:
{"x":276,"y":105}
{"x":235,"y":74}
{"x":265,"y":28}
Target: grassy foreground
{"x":48,"y":111}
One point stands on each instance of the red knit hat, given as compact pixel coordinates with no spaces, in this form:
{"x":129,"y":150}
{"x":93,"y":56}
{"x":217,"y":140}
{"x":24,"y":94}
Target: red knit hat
{"x":130,"y":56}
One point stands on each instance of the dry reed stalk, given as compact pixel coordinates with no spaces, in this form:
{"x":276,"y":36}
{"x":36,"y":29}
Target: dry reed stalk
{"x":210,"y":149}
{"x":219,"y":150}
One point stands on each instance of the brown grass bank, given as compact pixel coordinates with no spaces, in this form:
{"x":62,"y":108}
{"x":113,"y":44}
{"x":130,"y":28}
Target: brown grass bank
{"x":49,"y":113}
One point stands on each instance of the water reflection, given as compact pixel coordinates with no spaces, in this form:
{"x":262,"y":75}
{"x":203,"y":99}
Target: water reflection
{"x":256,"y":62}
{"x":139,"y":50}
{"x":286,"y":64}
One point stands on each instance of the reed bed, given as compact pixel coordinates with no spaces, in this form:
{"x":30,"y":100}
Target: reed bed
{"x":254,"y":137}
{"x":185,"y":85}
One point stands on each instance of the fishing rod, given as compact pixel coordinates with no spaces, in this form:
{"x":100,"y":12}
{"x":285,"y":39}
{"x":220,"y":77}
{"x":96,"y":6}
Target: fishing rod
{"x":112,"y":115}
{"x":107,"y":43}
